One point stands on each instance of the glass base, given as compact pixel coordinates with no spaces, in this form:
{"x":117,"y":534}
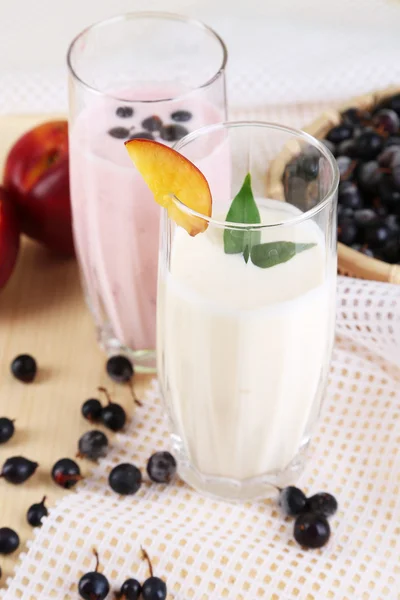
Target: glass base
{"x":144,"y":361}
{"x":255,"y":488}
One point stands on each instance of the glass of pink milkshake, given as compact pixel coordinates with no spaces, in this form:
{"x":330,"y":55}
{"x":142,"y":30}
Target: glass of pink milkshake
{"x":152,"y":75}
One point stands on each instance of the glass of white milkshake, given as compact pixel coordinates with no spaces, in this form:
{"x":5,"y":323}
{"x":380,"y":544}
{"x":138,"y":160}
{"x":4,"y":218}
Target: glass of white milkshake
{"x":245,"y":318}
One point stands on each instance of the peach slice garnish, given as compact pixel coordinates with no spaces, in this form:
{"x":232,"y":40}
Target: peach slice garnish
{"x":168,"y":174}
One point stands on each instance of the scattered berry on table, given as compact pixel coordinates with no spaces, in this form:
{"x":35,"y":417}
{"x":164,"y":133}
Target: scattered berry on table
{"x":173,"y":133}
{"x":181,"y":116}
{"x":93,"y":585}
{"x":292,"y":500}
{"x":36,"y":513}
{"x":153,"y":588}
{"x":9,"y":540}
{"x":18,"y":469}
{"x":130,"y":590}
{"x":120,"y":133}
{"x":125,"y":479}
{"x":91,"y":410}
{"x":322,"y":503}
{"x":120,"y":368}
{"x":93,"y":445}
{"x":6,"y":429}
{"x":113,"y":415}
{"x":66,"y":473}
{"x":161,"y":467}
{"x":124,"y":112}
{"x":311,"y":530}
{"x":152,"y":123}
{"x":24,"y":368}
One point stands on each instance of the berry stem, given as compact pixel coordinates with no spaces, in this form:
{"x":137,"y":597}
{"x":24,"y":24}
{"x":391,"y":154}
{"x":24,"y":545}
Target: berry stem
{"x":43,"y":500}
{"x":96,"y":554}
{"x":134,"y":397}
{"x":106,"y":393}
{"x":146,"y":557}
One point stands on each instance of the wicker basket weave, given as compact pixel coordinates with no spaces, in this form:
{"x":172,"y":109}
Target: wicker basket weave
{"x":350,"y":262}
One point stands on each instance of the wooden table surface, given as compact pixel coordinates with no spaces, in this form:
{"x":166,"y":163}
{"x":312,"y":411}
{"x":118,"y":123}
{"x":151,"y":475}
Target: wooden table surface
{"x":42,"y":312}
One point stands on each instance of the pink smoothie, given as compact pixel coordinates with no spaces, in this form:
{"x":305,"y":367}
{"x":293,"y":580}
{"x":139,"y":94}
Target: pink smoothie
{"x":115,"y":217}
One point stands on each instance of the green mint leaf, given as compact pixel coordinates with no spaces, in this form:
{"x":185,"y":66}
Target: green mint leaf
{"x":273,"y":253}
{"x":242,"y":210}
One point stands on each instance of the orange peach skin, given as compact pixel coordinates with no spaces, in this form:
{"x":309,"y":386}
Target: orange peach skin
{"x":169,"y":174}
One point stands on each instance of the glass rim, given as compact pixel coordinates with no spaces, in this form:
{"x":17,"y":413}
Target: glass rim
{"x":304,"y":216}
{"x":133,"y":15}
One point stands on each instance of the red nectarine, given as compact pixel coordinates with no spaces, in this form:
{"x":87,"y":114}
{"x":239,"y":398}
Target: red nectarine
{"x":9,"y":237}
{"x":37,"y":175}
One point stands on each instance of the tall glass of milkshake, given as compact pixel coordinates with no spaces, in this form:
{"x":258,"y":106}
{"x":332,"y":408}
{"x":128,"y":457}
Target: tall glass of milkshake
{"x":152,"y":75}
{"x":246,"y":309}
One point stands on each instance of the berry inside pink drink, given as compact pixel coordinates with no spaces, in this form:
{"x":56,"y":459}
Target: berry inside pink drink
{"x":116,"y":220}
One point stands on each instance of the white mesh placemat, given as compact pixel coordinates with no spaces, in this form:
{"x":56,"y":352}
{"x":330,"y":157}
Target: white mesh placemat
{"x":207,"y":549}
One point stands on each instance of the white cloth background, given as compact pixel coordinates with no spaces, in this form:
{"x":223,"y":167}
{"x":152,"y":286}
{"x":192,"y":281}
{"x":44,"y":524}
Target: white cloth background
{"x":215,"y":550}
{"x":280,"y":52}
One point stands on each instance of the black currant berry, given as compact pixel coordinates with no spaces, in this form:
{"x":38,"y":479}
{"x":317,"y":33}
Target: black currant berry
{"x":125,"y":479}
{"x":349,"y":195}
{"x":347,"y":232}
{"x":113,"y":415}
{"x":141,"y":135}
{"x":66,"y":473}
{"x":172,"y":133}
{"x":6,"y":429}
{"x":153,"y":588}
{"x":161,"y":467}
{"x":36,"y":513}
{"x":18,"y":469}
{"x":124,"y":112}
{"x":9,"y":540}
{"x":311,"y":530}
{"x":120,"y":368}
{"x":322,"y":504}
{"x":91,"y":410}
{"x":120,"y":133}
{"x":93,"y":445}
{"x":340,"y":133}
{"x":356,"y":117}
{"x":378,"y":236}
{"x":93,"y":585}
{"x":130,"y":590}
{"x":181,"y":116}
{"x":152,"y":123}
{"x":292,"y":501}
{"x":368,"y":145}
{"x":24,"y":368}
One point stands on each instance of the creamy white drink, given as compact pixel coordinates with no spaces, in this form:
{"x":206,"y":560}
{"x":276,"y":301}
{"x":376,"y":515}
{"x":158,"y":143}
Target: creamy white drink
{"x":244,"y":351}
